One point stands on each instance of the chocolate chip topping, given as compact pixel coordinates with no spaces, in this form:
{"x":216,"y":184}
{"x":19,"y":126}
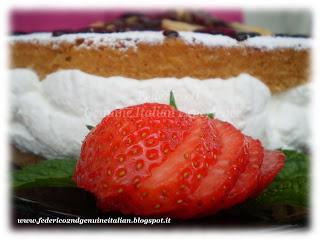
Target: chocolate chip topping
{"x":241,"y":36}
{"x":170,"y":34}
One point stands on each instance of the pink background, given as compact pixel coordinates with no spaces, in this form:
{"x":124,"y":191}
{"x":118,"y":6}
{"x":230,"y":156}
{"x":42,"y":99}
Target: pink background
{"x":49,"y":20}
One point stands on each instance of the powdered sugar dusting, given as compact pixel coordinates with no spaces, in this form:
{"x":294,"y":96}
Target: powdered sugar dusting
{"x":126,"y":40}
{"x":208,"y":39}
{"x":122,"y":41}
{"x":269,"y":43}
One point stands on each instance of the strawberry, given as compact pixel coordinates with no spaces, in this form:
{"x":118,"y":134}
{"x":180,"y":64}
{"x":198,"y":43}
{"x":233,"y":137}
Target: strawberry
{"x":153,"y":160}
{"x":248,"y":179}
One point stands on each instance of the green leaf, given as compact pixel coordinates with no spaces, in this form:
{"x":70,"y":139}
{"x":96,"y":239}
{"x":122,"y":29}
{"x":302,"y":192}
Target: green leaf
{"x":210,"y":115}
{"x":47,"y":173}
{"x":89,"y":127}
{"x":172,"y":101}
{"x":297,"y":164}
{"x":291,"y":186}
{"x":291,"y":191}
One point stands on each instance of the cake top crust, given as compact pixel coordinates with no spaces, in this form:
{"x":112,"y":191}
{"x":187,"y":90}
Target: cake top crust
{"x":130,"y":39}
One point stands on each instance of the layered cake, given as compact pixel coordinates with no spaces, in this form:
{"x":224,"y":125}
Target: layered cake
{"x":65,"y":80}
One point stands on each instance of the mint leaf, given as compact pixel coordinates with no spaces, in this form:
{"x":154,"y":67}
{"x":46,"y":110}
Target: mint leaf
{"x":172,"y":101}
{"x":48,"y":173}
{"x":210,"y":115}
{"x":292,"y":191}
{"x":297,"y":164}
{"x":89,"y":127}
{"x":291,"y":186}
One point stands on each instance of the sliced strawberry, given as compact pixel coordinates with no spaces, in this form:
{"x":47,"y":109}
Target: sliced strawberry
{"x":171,"y":184}
{"x":221,"y":176}
{"x":123,"y":149}
{"x":273,"y":162}
{"x":248,"y":179}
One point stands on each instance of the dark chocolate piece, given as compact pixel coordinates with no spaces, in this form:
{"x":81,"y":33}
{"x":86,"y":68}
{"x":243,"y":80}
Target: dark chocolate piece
{"x":170,"y":34}
{"x":241,"y":36}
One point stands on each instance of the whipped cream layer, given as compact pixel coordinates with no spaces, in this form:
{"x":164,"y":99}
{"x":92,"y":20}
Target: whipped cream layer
{"x":288,"y":119}
{"x":49,"y":117}
{"x":126,"y":40}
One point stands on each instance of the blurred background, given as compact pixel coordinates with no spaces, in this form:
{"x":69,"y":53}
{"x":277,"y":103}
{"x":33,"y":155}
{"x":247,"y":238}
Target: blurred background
{"x":278,"y":21}
{"x":281,"y":21}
